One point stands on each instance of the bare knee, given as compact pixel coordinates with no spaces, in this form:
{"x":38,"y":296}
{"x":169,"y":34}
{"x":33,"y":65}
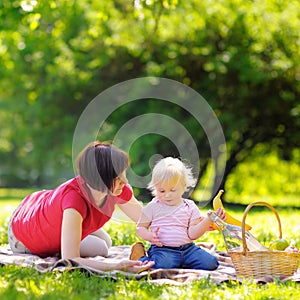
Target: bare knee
{"x":102,"y":234}
{"x":108,"y":241}
{"x":93,"y":246}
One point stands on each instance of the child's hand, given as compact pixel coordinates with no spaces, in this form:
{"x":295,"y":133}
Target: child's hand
{"x":221,"y":213}
{"x":155,"y":239}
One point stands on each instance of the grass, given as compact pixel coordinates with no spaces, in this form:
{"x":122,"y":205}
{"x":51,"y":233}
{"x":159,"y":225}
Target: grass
{"x":27,"y":283}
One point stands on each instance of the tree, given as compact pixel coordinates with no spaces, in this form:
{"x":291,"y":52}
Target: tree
{"x":58,"y":55}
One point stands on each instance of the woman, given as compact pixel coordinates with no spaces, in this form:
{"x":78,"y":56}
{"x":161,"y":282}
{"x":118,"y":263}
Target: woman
{"x":67,"y":220}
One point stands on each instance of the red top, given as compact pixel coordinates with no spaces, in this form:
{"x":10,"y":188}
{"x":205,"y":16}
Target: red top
{"x":37,"y":221}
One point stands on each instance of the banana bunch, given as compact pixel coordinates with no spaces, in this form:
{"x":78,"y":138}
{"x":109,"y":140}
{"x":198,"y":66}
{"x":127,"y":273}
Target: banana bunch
{"x":217,"y":203}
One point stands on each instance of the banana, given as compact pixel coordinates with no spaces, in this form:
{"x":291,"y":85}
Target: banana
{"x":217,"y":203}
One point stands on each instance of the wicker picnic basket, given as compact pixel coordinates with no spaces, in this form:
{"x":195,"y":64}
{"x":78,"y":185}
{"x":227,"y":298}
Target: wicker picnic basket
{"x":261,"y":263}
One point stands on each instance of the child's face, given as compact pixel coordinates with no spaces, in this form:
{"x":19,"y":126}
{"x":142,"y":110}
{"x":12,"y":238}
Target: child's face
{"x":170,"y":194}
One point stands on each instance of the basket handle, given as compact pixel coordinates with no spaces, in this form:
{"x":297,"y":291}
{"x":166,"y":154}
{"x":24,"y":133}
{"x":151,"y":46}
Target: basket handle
{"x":244,"y":221}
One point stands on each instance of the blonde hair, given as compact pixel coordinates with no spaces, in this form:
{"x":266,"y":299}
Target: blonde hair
{"x":171,"y":171}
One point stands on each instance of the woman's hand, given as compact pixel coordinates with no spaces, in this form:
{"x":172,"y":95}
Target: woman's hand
{"x":134,"y":266}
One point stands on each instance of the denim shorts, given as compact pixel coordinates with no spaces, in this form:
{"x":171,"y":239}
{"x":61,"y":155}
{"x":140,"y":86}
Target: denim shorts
{"x":187,"y":256}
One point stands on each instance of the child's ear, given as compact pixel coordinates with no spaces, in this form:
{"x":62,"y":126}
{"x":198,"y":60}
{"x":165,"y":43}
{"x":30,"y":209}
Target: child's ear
{"x":184,"y":187}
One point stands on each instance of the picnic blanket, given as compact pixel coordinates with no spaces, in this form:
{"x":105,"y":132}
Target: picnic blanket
{"x":224,"y":273}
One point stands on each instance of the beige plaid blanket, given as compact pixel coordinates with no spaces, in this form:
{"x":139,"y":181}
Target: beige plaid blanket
{"x":224,"y":273}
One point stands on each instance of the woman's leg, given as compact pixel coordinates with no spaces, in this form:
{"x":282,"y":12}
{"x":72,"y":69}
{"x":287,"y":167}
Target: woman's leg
{"x":102,"y":234}
{"x":15,"y":245}
{"x":96,"y":244}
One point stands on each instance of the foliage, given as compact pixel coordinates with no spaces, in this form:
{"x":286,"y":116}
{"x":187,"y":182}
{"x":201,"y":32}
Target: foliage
{"x":265,"y":176}
{"x":56,"y":56}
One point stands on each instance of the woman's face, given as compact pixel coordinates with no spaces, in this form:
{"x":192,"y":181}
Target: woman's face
{"x":119,"y":183}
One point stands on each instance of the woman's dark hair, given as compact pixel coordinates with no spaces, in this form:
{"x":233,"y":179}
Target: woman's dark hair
{"x":100,"y":163}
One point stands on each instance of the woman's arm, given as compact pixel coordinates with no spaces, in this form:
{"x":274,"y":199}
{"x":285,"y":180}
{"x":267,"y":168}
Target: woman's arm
{"x":70,"y":247}
{"x":71,"y":233}
{"x":133,"y":209}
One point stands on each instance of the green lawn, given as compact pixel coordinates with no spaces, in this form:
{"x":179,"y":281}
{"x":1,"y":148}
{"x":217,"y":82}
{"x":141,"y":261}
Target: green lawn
{"x":26,"y":283}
